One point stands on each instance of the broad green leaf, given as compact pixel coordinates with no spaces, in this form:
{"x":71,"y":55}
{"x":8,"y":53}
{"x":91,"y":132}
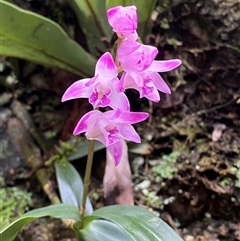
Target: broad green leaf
{"x":65,"y":211}
{"x":102,"y":230}
{"x":137,"y":222}
{"x":71,"y":186}
{"x":30,"y":36}
{"x":144,"y":11}
{"x":82,"y":150}
{"x":92,"y":18}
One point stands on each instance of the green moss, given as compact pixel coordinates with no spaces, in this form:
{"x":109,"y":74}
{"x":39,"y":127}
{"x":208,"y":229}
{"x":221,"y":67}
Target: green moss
{"x":236,"y":171}
{"x":14,"y":202}
{"x":226,"y":182}
{"x":167,"y":166}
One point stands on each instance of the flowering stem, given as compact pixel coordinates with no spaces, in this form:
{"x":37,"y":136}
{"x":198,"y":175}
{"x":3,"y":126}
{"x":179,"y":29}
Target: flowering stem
{"x":87,"y":176}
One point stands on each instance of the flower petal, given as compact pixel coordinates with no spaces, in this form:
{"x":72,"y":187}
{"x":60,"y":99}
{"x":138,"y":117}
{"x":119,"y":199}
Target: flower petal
{"x":112,"y":114}
{"x":152,"y":95}
{"x":87,"y":122}
{"x":128,"y":132}
{"x":126,"y":48}
{"x":111,"y":14}
{"x":148,"y":54}
{"x":165,"y":65}
{"x":159,"y":82}
{"x":130,"y":14}
{"x":125,"y":117}
{"x":137,"y":77}
{"x":119,"y":100}
{"x":123,"y":20}
{"x":135,"y":56}
{"x":112,"y":134}
{"x":131,"y":36}
{"x":106,"y":67}
{"x":124,"y":25}
{"x":116,"y":150}
{"x":128,"y":117}
{"x":77,"y":90}
{"x":100,"y":96}
{"x":98,"y":131}
{"x":127,"y":82}
{"x":149,"y":90}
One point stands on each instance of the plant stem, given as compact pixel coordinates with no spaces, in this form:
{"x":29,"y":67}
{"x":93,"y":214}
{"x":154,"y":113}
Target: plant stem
{"x":87,"y":176}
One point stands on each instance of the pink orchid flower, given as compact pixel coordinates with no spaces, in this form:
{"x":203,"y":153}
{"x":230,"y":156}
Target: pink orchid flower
{"x":109,"y":127}
{"x":124,"y":20}
{"x":102,"y":88}
{"x":140,"y":69}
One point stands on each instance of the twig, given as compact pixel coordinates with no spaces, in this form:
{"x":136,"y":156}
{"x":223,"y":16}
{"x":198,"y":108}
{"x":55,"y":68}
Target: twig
{"x":205,"y":111}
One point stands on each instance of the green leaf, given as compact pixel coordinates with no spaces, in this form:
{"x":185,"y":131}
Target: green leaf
{"x":71,"y":186}
{"x":144,"y":11}
{"x":92,"y":19}
{"x":30,"y":36}
{"x":65,"y":211}
{"x":137,"y":222}
{"x":82,"y":149}
{"x":102,"y":230}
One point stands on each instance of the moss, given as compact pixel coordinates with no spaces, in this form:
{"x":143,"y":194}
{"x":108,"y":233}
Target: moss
{"x":167,"y":166}
{"x":236,"y":171}
{"x":14,"y":202}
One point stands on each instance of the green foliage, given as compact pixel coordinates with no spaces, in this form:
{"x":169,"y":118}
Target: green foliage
{"x":30,"y":36}
{"x":226,"y":182}
{"x":81,"y":149}
{"x":134,"y":223}
{"x":27,"y":35}
{"x":137,"y":222}
{"x":14,"y":202}
{"x":101,"y":230}
{"x":70,"y":185}
{"x":72,"y":150}
{"x":165,"y":24}
{"x":153,"y":200}
{"x":167,"y":166}
{"x":57,"y":211}
{"x":92,"y":19}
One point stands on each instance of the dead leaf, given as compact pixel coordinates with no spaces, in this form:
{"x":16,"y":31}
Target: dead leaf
{"x":210,"y":236}
{"x":140,"y":148}
{"x":217,"y":132}
{"x":117,"y":180}
{"x":214,"y":186}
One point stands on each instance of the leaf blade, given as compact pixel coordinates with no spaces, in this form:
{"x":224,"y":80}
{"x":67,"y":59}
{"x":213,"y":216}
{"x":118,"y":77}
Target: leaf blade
{"x":28,"y":35}
{"x":138,"y":223}
{"x":92,"y":19}
{"x":82,"y":149}
{"x":57,"y":211}
{"x":71,"y":186}
{"x":99,"y":230}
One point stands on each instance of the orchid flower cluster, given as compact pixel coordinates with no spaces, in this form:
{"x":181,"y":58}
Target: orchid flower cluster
{"x":139,"y":71}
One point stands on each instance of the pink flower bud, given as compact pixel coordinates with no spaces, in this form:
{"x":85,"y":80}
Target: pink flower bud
{"x":124,"y":20}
